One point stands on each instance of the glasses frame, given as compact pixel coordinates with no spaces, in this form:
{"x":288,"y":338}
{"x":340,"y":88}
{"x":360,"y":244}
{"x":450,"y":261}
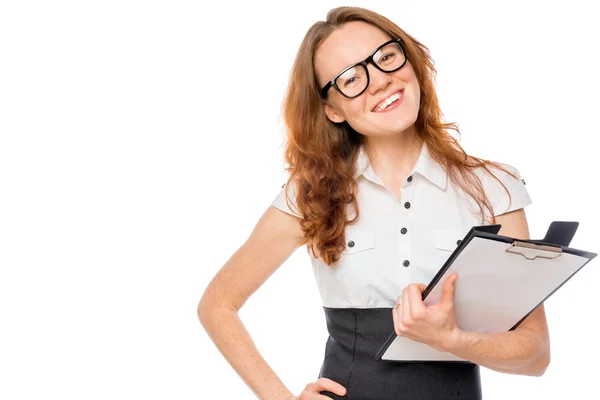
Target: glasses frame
{"x":364,"y":63}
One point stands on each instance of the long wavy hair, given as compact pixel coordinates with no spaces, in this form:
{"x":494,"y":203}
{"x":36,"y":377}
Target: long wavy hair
{"x":322,"y":155}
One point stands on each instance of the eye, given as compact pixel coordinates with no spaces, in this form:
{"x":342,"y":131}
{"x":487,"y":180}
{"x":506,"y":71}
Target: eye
{"x":351,"y":78}
{"x":387,"y":56}
{"x":352,"y":81}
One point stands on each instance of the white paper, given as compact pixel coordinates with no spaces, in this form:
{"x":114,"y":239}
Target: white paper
{"x":494,"y":291}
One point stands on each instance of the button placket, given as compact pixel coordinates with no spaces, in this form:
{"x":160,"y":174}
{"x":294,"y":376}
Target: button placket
{"x":407,"y":191}
{"x":404,"y":271}
{"x":404,"y":251}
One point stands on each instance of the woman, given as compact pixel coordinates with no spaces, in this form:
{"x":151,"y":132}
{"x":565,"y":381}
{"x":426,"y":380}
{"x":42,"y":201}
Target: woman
{"x":379,"y":192}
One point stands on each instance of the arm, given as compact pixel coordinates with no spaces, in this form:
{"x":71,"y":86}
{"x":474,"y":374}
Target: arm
{"x":275,"y":237}
{"x":525,"y":350}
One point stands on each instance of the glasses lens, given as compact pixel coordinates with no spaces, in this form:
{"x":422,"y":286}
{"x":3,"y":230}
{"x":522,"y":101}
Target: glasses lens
{"x":353,"y":81}
{"x":389,"y":57}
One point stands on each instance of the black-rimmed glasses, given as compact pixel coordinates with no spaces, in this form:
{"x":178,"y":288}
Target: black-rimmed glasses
{"x":354,"y":80}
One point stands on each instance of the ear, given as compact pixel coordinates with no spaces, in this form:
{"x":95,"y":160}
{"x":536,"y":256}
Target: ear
{"x":333,"y":115}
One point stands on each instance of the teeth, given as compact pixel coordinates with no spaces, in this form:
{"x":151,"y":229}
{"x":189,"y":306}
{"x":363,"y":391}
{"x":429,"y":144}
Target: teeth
{"x":388,"y":101}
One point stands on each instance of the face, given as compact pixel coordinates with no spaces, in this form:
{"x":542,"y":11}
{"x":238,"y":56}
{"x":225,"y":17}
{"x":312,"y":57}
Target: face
{"x":352,"y":43}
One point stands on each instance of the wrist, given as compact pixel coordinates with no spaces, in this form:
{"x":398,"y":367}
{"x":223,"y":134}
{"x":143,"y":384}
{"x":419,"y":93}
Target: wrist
{"x":455,"y":340}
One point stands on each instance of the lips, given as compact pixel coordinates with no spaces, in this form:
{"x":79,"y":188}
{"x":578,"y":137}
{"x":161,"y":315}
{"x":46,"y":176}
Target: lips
{"x":386,"y":97}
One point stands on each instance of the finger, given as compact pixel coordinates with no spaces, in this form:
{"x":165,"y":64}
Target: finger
{"x":395,"y":318}
{"x":399,"y":326}
{"x":405,"y":306}
{"x":421,"y":287}
{"x":449,"y":289}
{"x":417,"y":307}
{"x":330,"y":386}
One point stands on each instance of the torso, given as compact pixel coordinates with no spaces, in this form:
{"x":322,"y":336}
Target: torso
{"x":405,"y":232}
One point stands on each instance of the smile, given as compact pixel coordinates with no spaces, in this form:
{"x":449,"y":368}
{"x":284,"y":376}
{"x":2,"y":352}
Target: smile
{"x":391,"y":102}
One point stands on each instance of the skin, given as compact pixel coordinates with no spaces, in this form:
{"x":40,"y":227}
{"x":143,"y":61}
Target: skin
{"x":277,"y":235}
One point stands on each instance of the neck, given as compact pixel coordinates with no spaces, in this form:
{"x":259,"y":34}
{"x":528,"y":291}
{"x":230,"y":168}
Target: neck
{"x":393,"y":156}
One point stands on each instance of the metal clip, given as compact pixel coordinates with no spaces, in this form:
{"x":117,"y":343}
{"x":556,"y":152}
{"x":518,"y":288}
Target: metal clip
{"x":528,"y":249}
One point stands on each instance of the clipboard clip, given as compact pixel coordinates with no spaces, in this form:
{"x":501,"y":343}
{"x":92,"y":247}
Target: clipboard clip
{"x":531,"y":251}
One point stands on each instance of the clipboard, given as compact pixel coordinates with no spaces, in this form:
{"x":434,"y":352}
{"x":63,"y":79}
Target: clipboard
{"x":502,"y":280}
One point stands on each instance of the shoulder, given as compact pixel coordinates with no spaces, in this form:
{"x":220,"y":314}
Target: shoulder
{"x":506,"y":173}
{"x":285,"y":199}
{"x":504,"y":187}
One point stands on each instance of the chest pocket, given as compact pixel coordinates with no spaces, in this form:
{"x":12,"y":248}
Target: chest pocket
{"x":358,"y":240}
{"x":445,"y":241}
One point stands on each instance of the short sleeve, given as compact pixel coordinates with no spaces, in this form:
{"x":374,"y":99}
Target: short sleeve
{"x":280,"y":200}
{"x":499,"y":199}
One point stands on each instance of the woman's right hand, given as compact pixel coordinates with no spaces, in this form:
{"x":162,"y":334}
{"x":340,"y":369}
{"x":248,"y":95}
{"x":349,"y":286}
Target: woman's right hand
{"x":312,"y":390}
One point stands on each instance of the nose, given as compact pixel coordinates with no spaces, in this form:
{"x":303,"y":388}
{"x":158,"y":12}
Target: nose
{"x":378,"y":80}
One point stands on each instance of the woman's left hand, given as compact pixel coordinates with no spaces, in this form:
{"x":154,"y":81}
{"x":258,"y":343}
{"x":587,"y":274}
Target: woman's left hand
{"x":434,"y":325}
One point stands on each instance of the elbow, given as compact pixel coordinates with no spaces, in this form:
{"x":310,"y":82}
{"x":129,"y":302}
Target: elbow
{"x":545,"y":358}
{"x":541,"y":359}
{"x":206,"y":308}
{"x":202,"y":311}
{"x":211,"y":306}
{"x":539,"y":372}
{"x":542,"y":364}
{"x":545,"y":366}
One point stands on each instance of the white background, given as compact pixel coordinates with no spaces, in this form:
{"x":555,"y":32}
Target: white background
{"x":141,"y":141}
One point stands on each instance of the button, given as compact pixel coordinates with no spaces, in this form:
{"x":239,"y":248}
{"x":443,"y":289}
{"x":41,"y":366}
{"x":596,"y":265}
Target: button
{"x":409,"y":179}
{"x":458,"y":242}
{"x":351,"y":243}
{"x":403,"y":231}
{"x":406,"y":263}
{"x":407,"y":205}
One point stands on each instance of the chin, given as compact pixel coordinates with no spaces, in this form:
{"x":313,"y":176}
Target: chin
{"x":399,"y":127}
{"x":377,"y":127}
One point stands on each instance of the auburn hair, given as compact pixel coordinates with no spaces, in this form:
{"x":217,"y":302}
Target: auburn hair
{"x":321,"y":155}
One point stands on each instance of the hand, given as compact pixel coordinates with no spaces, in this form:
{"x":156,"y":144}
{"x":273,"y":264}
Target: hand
{"x":434,"y":325}
{"x":312,"y":390}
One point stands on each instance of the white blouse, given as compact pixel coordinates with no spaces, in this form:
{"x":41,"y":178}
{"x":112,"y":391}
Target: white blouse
{"x":393,"y":244}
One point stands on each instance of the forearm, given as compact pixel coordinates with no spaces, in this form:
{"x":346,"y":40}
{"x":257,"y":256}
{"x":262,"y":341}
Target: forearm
{"x":230,"y":336}
{"x":522,"y":351}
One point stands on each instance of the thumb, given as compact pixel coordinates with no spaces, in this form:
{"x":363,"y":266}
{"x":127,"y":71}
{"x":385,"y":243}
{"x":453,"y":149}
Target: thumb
{"x":421,"y":287}
{"x":449,"y":289}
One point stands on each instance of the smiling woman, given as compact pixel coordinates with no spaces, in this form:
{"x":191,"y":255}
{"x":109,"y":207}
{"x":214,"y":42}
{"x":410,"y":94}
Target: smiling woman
{"x":379,"y":192}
